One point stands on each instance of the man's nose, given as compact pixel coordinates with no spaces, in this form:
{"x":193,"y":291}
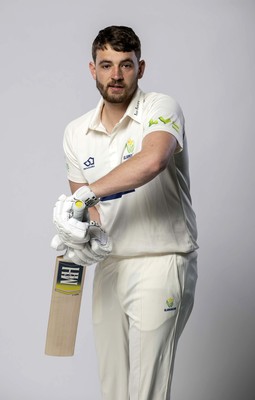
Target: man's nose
{"x":117,"y":73}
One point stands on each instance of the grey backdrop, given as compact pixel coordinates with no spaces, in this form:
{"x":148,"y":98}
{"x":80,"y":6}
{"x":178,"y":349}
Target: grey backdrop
{"x":202,"y":53}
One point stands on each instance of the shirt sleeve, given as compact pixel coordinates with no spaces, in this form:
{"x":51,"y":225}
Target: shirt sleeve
{"x":74,"y":172}
{"x":163,"y":113}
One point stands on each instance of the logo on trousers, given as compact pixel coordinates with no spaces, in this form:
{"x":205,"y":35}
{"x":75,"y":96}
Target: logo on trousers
{"x":170,"y":304}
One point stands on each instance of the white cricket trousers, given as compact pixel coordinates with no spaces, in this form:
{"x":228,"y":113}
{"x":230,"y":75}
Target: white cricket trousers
{"x":140,"y":307}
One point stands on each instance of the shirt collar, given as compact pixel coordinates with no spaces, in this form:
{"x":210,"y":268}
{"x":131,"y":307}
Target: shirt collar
{"x":134,"y":110}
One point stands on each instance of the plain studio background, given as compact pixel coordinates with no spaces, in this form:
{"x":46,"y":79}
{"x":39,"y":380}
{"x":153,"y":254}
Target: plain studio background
{"x":202,"y":53}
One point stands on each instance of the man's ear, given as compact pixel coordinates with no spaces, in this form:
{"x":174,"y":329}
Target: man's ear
{"x":92,"y":68}
{"x":141,"y":69}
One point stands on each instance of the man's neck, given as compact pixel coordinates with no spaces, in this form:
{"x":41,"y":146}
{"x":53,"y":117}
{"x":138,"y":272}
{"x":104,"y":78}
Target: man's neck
{"x":112,"y":114}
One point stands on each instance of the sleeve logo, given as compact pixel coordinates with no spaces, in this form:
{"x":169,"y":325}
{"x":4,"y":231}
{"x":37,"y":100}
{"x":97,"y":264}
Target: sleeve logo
{"x":164,"y":121}
{"x":89,"y":163}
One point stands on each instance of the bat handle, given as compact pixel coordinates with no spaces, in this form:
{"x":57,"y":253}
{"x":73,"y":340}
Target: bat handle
{"x":78,"y":210}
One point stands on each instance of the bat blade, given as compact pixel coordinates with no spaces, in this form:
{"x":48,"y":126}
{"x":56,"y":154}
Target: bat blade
{"x":65,"y":308}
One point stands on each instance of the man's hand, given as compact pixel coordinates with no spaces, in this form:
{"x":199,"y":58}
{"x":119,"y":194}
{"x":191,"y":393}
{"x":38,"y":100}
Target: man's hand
{"x":96,"y":249}
{"x":71,"y":231}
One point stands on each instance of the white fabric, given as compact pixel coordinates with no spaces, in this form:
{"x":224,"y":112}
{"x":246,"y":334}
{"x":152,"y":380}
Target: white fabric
{"x":140,"y":307}
{"x":156,"y":218}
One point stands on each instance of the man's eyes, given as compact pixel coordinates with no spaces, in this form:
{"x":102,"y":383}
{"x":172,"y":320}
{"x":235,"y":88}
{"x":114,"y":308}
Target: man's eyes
{"x":123,"y":66}
{"x":127,"y":65}
{"x":106,"y":66}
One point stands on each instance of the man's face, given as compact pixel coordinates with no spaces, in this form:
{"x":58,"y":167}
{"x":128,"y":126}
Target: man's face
{"x":116,"y":74}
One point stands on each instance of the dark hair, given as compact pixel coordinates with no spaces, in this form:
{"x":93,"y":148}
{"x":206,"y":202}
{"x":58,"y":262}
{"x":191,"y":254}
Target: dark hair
{"x":120,"y":38}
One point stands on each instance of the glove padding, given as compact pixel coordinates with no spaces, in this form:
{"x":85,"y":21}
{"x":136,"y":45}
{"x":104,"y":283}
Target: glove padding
{"x":71,"y":232}
{"x":95,"y":250}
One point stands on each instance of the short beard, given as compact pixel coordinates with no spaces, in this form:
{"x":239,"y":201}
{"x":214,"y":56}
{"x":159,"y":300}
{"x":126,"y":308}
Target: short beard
{"x":125,"y":97}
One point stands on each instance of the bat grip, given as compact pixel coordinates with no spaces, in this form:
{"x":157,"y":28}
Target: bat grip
{"x":78,"y":210}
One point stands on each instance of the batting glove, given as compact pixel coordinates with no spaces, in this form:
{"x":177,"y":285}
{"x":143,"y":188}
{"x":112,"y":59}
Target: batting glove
{"x":95,"y":250}
{"x":71,"y":231}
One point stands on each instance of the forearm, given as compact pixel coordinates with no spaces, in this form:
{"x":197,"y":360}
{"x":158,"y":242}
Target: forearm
{"x":129,"y":175}
{"x":139,"y":169}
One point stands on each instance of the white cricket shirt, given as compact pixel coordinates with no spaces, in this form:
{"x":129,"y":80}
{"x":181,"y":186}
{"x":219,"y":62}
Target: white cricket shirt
{"x":156,"y":218}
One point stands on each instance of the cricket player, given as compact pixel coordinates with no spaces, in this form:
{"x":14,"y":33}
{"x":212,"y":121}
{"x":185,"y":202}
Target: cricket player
{"x":127,"y":160}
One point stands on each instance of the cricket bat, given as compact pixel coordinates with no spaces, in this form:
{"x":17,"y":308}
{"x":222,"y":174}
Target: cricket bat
{"x":65,"y":302}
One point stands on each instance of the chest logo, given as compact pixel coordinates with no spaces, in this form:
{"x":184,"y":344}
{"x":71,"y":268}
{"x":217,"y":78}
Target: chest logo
{"x":130,"y":145}
{"x":129,"y":149}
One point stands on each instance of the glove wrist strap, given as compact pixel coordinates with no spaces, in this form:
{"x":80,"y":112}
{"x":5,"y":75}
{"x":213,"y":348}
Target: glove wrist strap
{"x":87,"y":196}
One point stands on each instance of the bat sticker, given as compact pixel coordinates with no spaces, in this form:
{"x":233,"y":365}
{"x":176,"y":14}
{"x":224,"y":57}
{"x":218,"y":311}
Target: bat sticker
{"x":69,"y":278}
